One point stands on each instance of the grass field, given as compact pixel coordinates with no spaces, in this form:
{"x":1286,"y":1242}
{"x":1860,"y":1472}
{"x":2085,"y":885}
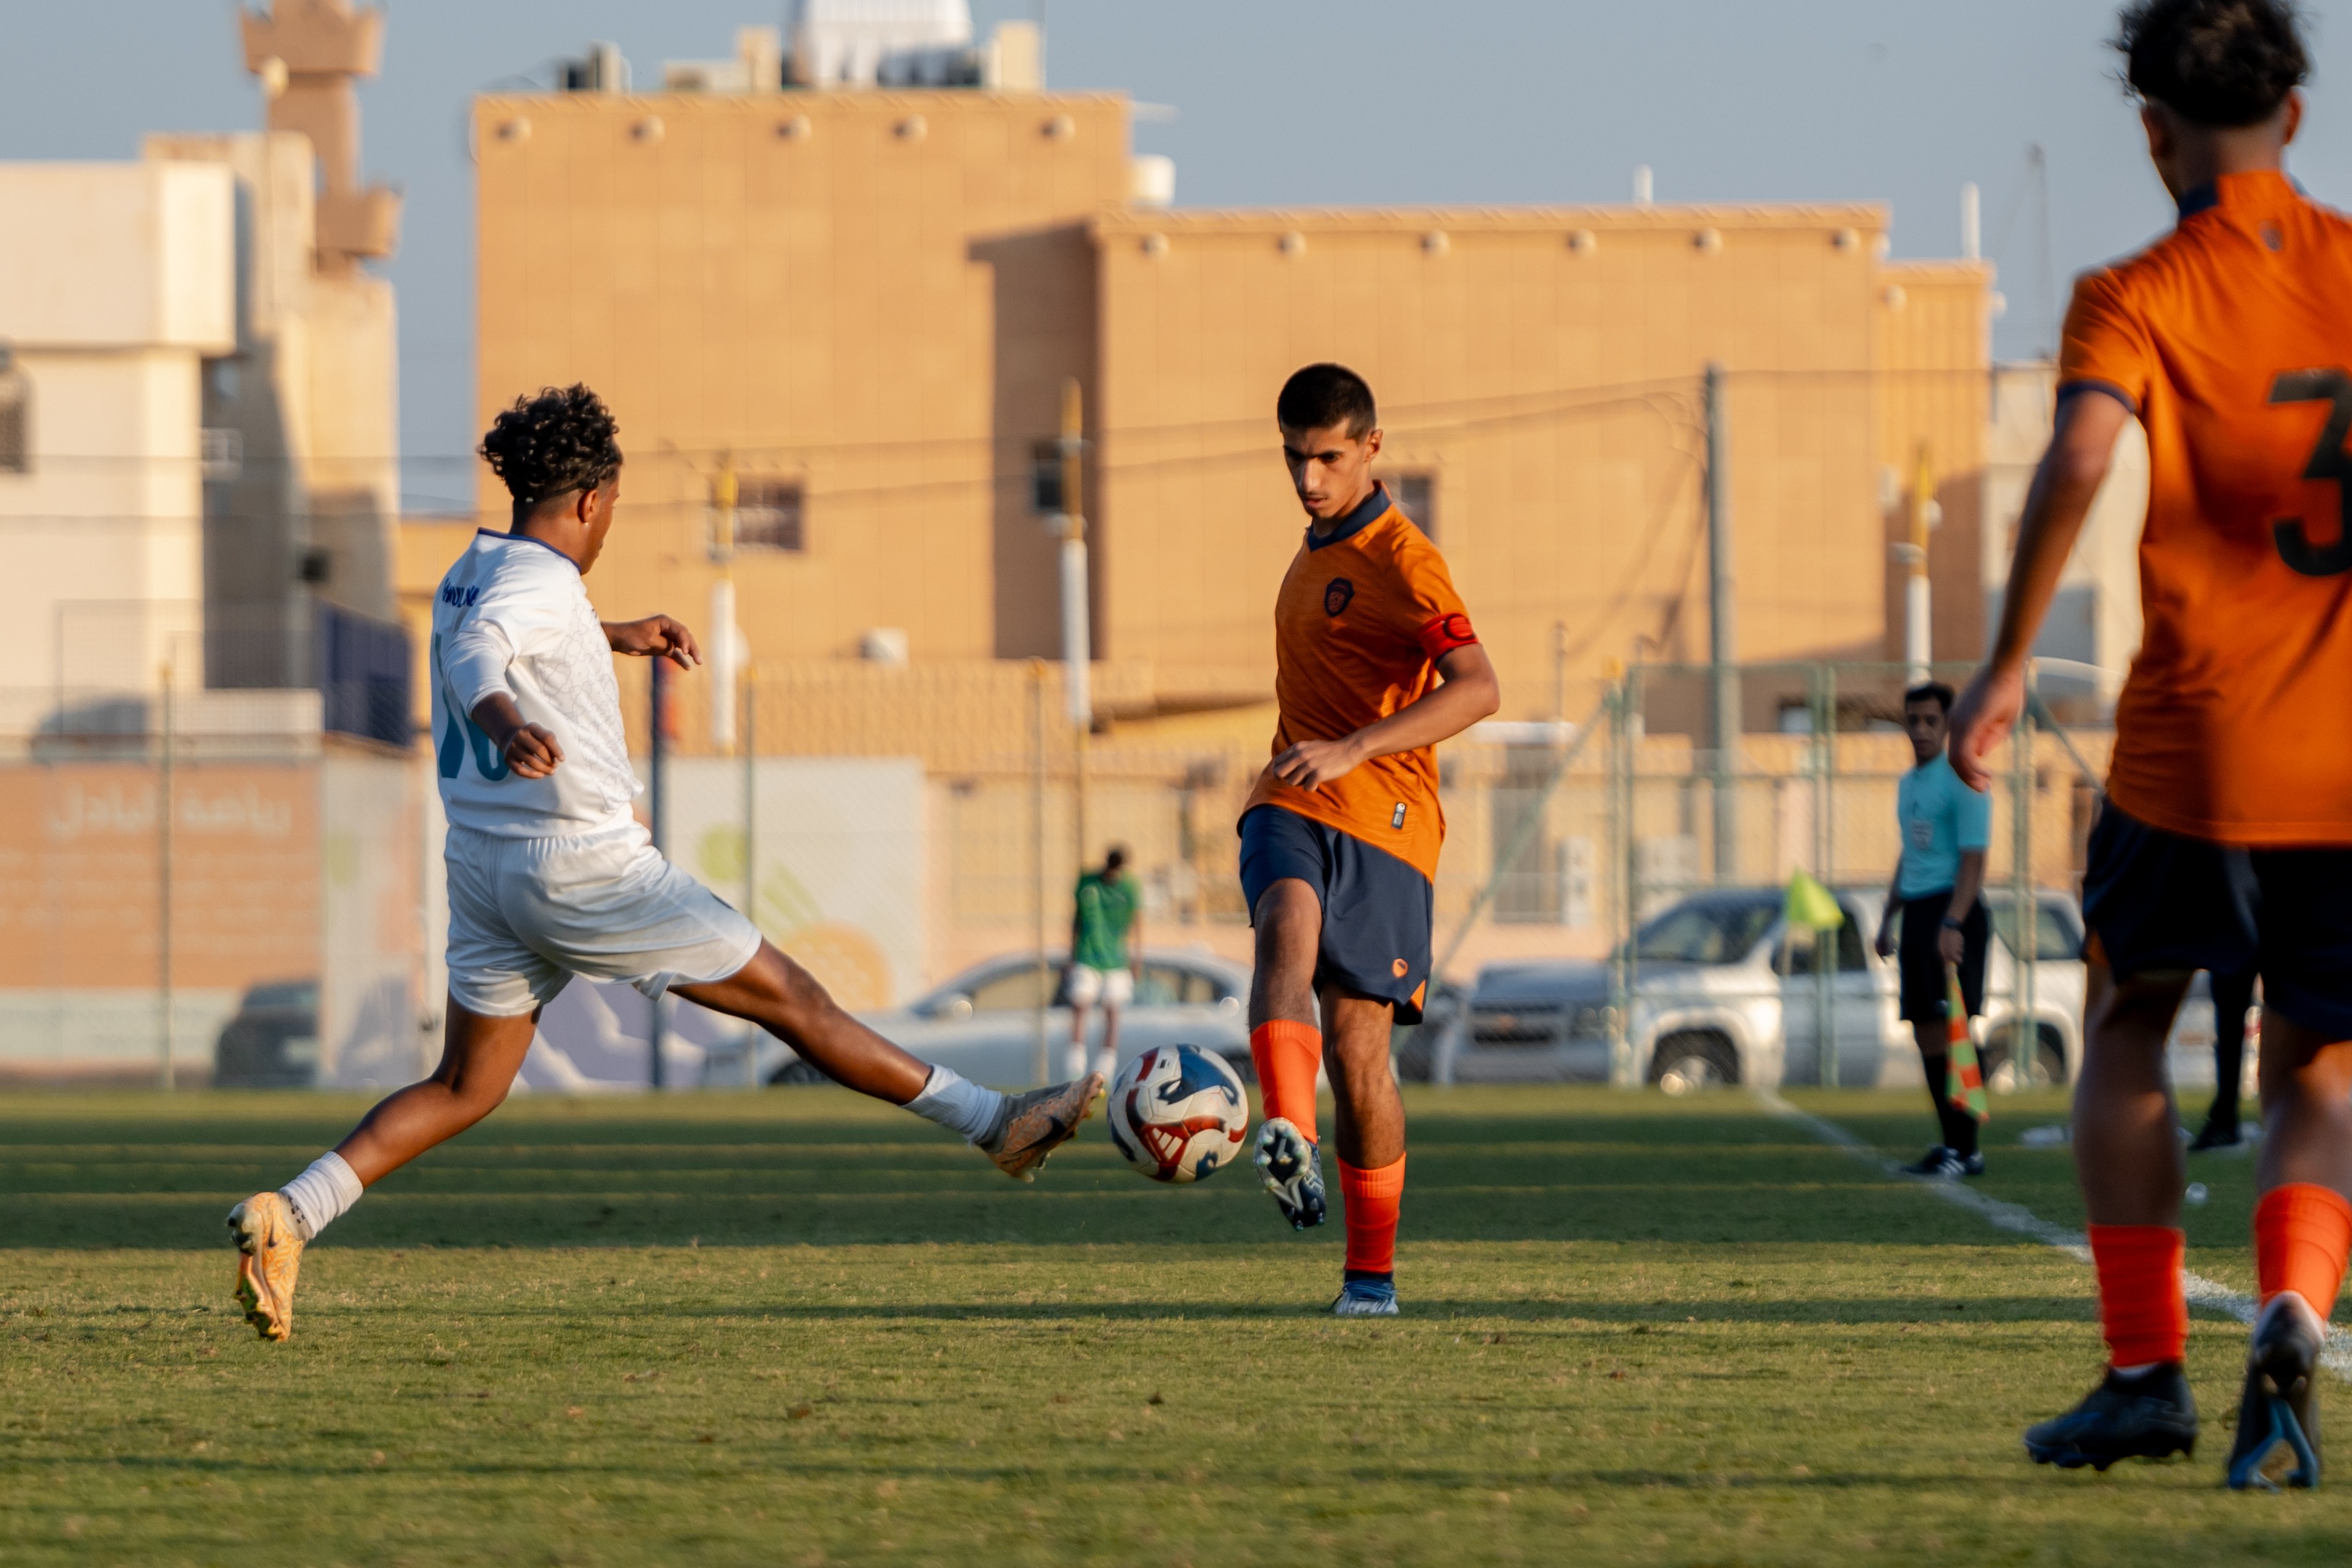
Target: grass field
{"x":798,"y":1328}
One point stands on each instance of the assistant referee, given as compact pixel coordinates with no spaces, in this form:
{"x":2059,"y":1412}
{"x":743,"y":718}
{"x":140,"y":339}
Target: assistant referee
{"x":1936,"y":893}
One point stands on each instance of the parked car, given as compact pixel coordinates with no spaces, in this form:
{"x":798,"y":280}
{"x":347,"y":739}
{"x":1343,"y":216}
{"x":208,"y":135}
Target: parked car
{"x":1718,"y":995}
{"x":983,"y":1022}
{"x":271,"y":1042}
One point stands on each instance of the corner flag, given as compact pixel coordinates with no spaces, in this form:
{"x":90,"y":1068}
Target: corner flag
{"x":1810,"y":907}
{"x":1963,"y":1078}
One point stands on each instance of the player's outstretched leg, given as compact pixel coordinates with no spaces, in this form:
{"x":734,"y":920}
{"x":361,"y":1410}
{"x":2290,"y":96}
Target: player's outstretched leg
{"x":2128,"y":1161}
{"x":1287,"y":1049}
{"x":1368,"y":1123}
{"x":480,"y":1058}
{"x":2303,"y":1231}
{"x":1015,"y":1131}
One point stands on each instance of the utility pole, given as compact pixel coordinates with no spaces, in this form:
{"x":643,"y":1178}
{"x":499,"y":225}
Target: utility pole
{"x":657,"y":793}
{"x":1723,"y":649}
{"x":1077,"y":634}
{"x":1918,"y":633}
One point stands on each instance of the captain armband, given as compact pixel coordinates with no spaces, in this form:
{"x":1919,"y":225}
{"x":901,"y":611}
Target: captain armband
{"x":1444,"y":634}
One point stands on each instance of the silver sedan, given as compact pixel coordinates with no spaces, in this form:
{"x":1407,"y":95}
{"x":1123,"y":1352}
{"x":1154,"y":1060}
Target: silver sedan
{"x":983,"y":1023}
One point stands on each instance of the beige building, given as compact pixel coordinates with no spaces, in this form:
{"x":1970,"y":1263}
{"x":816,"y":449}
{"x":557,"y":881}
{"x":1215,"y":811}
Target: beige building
{"x":851,"y":311}
{"x":117,"y":282}
{"x":859,"y":307}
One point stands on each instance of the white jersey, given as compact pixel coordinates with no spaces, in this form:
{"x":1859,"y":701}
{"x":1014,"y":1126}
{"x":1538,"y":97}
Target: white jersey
{"x":512,"y":615}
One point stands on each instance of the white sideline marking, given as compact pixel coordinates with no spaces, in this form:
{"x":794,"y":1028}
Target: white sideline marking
{"x":2202,"y":1292}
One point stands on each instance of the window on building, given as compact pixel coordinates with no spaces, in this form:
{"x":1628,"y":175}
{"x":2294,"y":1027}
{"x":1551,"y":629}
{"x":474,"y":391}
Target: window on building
{"x":15,"y":416}
{"x":1417,"y":494}
{"x":771,"y":515}
{"x":1045,"y":478}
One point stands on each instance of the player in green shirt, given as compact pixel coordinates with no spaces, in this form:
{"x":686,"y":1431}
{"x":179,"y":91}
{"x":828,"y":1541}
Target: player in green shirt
{"x":1106,"y":954}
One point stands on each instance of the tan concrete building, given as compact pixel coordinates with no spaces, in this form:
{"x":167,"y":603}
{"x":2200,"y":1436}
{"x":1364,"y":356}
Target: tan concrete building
{"x":857,"y":306}
{"x":861,"y":305}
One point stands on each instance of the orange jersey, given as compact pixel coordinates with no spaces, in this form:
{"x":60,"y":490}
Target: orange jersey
{"x":1361,"y":620}
{"x":2231,"y":339}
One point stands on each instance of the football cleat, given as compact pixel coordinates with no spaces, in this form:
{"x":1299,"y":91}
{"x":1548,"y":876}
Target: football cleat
{"x":1938,"y":1162}
{"x":2278,"y":1406}
{"x":1038,"y":1123}
{"x":1366,"y":1299}
{"x":270,"y":1254}
{"x":2215,"y":1134}
{"x":2150,"y":1417}
{"x":1292,"y":1169}
{"x":1972,"y":1165}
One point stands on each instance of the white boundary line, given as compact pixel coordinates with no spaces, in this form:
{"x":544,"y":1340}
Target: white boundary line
{"x":2202,"y":1292}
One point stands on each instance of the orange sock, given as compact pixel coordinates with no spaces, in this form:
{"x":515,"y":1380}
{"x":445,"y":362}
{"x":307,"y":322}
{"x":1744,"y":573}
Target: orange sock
{"x":1287,"y":1056}
{"x":1372,"y":1199}
{"x":2302,"y":1233}
{"x":2142,"y":1308}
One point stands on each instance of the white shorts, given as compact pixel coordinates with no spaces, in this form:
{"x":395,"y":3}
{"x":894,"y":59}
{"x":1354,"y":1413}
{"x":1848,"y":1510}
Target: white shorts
{"x":527,"y":915}
{"x":1110,"y":988}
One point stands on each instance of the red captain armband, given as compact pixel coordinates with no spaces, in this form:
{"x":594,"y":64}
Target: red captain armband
{"x":1444,"y":634}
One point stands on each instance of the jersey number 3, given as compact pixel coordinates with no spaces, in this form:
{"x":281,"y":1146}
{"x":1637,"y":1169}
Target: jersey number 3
{"x":2328,"y":461}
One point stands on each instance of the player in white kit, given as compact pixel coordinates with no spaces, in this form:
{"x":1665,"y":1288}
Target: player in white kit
{"x":551,"y":875}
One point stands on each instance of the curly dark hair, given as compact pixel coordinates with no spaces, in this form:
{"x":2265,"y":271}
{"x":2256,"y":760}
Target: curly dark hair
{"x":559,"y":440}
{"x":2217,"y":62}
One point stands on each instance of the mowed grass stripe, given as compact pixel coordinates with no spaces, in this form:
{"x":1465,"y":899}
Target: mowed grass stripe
{"x":1638,"y":1331}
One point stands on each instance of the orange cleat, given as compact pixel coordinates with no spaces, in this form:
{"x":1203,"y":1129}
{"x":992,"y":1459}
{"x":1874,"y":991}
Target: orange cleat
{"x":1038,"y":1123}
{"x":270,"y":1254}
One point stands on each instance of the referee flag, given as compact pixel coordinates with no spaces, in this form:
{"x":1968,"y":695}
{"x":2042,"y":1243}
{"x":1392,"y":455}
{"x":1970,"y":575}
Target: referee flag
{"x":1963,"y":1078}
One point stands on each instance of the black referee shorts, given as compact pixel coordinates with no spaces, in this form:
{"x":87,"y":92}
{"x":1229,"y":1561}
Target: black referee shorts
{"x":1924,"y":989}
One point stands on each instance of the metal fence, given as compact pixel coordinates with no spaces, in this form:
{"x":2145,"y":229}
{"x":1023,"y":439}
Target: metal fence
{"x":1608,"y":824}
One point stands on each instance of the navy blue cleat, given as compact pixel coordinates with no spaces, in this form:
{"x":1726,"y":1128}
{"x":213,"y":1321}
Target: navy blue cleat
{"x":1292,"y":1169}
{"x":2278,"y":1408}
{"x":2150,"y":1417}
{"x":1362,"y":1298}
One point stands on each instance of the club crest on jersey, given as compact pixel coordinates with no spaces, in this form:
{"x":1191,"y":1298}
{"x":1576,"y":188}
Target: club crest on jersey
{"x":1337,"y":593}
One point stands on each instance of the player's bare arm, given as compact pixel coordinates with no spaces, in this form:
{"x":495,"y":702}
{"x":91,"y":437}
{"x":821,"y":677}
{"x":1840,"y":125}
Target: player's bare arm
{"x":1468,"y":691}
{"x":531,"y":749}
{"x":655,"y":636}
{"x":2082,"y":446}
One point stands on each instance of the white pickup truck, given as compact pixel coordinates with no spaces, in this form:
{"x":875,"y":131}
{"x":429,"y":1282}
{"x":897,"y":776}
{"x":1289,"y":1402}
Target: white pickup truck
{"x":1716,"y":994}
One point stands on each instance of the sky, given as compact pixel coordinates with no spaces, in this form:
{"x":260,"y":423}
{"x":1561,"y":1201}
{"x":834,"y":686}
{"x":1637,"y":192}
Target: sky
{"x":1286,"y":102}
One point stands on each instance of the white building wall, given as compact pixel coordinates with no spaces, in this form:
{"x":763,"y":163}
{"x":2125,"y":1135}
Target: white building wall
{"x":116,"y":280}
{"x":2095,"y":621}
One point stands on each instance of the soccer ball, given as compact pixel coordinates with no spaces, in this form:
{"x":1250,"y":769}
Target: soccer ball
{"x":1178,"y":1113}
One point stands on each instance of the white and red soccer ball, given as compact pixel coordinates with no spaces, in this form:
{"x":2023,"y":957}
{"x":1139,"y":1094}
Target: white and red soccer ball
{"x":1178,"y":1113}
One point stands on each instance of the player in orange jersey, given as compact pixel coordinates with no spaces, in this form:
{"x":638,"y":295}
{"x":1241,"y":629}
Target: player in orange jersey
{"x":2226,"y":843}
{"x":1375,"y":662}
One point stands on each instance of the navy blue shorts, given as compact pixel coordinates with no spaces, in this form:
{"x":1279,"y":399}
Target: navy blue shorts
{"x":2158,"y":901}
{"x":1376,"y":909}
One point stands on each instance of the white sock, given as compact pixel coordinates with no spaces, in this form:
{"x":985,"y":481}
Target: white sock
{"x":319,"y":1195}
{"x":959,"y":1105}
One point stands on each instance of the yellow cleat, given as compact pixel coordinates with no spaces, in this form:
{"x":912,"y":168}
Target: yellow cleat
{"x":270,"y":1254}
{"x":1038,"y":1123}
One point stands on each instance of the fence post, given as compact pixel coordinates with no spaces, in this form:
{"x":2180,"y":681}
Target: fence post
{"x":1827,"y":945}
{"x":164,"y":882}
{"x":1041,"y":1062}
{"x":1621,"y":852}
{"x":657,"y":792}
{"x":1722,"y":631}
{"x":750,"y":727}
{"x":2025,"y":1040}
